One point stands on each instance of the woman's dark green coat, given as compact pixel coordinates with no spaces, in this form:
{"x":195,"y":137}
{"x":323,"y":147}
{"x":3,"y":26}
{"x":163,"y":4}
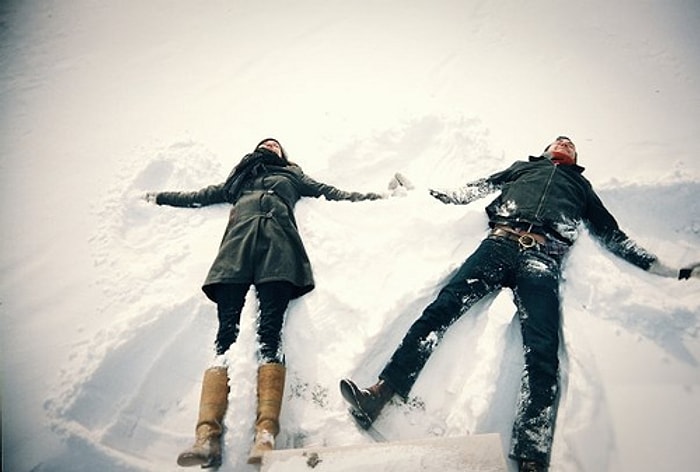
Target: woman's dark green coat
{"x":261,"y":243}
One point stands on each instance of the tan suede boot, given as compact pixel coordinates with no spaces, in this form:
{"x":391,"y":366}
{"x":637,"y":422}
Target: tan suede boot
{"x":270,"y":393}
{"x":206,"y":450}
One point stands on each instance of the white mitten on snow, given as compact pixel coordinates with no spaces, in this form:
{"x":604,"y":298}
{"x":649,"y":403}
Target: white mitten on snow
{"x":399,"y":185}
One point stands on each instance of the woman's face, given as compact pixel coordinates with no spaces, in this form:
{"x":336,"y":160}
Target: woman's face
{"x":272,"y":145}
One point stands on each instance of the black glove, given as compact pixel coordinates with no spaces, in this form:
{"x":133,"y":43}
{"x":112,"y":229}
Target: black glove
{"x":692,"y":270}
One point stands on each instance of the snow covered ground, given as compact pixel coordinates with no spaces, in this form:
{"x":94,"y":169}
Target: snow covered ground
{"x":105,"y":332}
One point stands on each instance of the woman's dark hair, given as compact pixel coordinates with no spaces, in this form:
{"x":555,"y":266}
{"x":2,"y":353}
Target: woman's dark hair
{"x":284,"y":153}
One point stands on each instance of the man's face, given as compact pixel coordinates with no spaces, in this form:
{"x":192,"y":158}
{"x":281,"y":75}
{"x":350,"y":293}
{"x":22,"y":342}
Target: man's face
{"x":563,"y":147}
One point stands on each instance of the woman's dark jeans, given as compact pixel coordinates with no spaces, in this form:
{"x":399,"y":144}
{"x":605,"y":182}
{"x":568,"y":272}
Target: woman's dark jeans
{"x":273,"y":298}
{"x":533,"y":275}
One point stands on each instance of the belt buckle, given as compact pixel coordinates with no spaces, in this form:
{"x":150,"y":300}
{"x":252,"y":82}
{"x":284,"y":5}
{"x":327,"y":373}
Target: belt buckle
{"x":526,"y":241}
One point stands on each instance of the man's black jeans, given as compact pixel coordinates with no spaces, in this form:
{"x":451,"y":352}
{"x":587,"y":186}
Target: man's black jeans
{"x":274,"y":298}
{"x":533,"y":275}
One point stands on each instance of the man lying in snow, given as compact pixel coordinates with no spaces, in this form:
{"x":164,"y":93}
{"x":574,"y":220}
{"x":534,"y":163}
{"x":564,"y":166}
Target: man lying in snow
{"x":534,"y":221}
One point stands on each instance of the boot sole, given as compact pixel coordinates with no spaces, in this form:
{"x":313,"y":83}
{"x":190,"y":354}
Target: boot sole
{"x":193,"y":460}
{"x":256,"y":454}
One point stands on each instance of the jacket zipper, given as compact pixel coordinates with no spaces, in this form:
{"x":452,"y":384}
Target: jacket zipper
{"x":544,"y":195}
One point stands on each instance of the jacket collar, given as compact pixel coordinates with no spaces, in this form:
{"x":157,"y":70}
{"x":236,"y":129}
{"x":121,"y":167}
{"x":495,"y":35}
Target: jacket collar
{"x":575,"y":167}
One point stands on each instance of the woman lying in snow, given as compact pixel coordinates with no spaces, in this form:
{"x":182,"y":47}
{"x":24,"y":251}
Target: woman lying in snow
{"x":261,"y":247}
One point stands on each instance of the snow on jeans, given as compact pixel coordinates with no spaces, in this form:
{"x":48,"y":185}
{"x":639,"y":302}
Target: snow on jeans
{"x":274,"y":298}
{"x":533,"y":275}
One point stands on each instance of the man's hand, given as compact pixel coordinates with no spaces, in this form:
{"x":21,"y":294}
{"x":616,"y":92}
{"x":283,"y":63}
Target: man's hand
{"x":693,"y":270}
{"x":150,"y":197}
{"x":442,"y":196}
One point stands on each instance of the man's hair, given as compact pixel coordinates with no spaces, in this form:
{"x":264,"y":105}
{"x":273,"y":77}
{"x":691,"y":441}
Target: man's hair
{"x":557,"y":139}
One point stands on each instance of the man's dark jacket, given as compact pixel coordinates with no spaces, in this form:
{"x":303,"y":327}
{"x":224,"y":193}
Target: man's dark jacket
{"x":554,"y":199}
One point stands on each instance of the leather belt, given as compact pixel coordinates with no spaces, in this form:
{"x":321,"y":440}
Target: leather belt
{"x":526,"y":239}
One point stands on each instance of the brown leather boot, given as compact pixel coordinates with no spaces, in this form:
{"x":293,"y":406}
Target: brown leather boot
{"x":270,"y":393}
{"x":206,"y":450}
{"x":366,"y":403}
